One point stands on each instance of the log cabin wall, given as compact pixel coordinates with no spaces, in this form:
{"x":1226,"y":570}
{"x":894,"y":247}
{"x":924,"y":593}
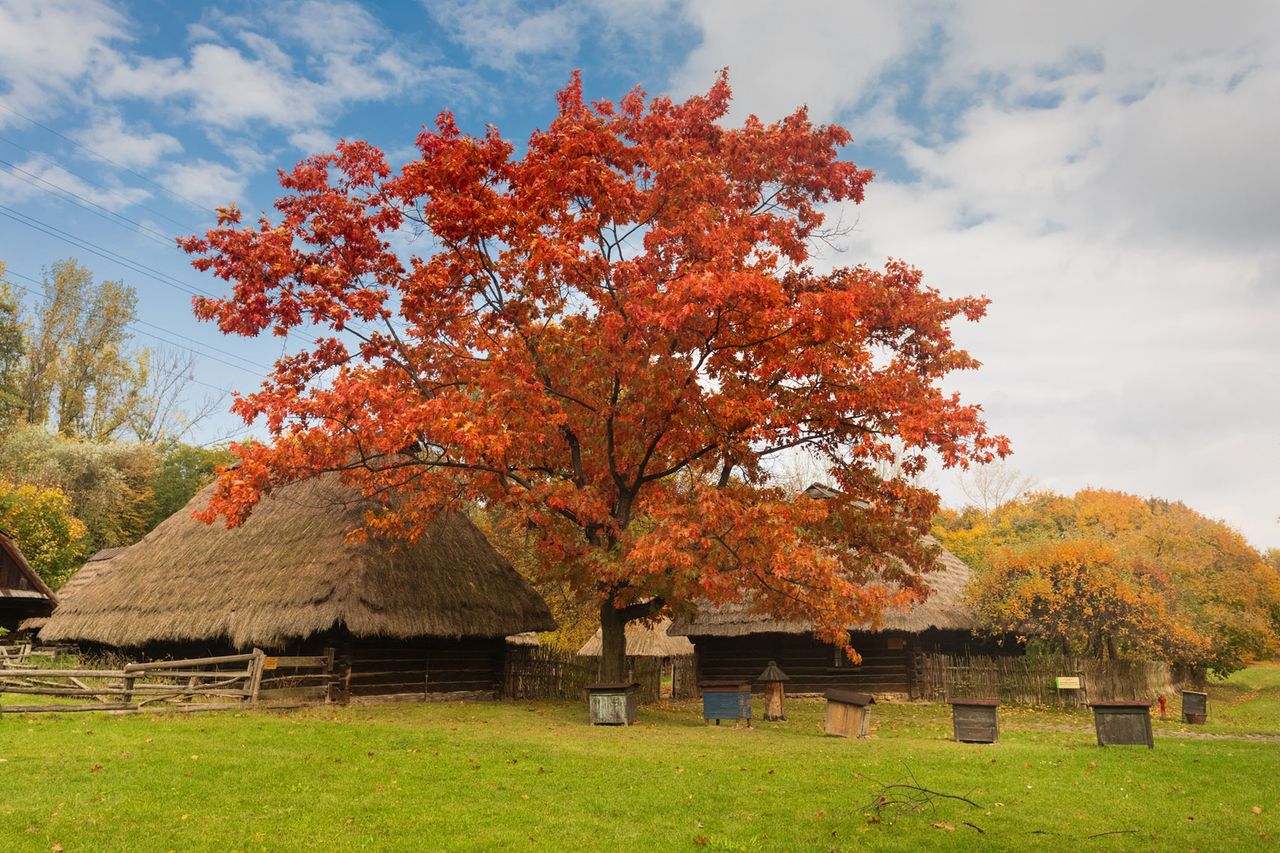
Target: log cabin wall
{"x":811,"y":665}
{"x":424,"y":665}
{"x":888,"y":658}
{"x":381,"y":666}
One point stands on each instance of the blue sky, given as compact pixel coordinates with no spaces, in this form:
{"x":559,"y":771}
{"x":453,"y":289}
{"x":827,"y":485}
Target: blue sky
{"x":1105,"y":172}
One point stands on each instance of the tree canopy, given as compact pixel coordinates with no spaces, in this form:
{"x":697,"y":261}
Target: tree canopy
{"x":1105,"y":572}
{"x":612,"y":334}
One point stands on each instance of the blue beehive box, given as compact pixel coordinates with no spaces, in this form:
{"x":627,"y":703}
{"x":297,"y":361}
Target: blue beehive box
{"x":726,"y":700}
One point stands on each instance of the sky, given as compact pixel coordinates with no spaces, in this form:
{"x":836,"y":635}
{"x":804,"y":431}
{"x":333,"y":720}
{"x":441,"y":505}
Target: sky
{"x":1105,"y":172}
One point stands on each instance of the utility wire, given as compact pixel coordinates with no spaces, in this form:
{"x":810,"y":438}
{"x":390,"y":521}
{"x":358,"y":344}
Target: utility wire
{"x":88,"y":204}
{"x":100,"y":251}
{"x":115,"y":191}
{"x":133,"y":328}
{"x":106,"y":159}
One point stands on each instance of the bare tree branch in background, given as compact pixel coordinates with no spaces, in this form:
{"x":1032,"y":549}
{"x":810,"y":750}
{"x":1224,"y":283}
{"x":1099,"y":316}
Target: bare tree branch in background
{"x":165,"y":412}
{"x":989,"y":486}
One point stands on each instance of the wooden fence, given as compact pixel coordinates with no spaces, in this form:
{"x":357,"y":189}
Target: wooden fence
{"x":543,"y":672}
{"x":191,"y":684}
{"x":1032,"y":680}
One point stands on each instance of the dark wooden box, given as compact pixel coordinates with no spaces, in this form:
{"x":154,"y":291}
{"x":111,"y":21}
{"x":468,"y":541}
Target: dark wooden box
{"x":1122,"y":723}
{"x":1195,"y":707}
{"x":848,"y":713}
{"x":975,"y":720}
{"x":613,"y":704}
{"x":726,"y":700}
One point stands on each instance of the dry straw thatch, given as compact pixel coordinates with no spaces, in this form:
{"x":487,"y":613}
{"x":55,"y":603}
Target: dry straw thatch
{"x":945,"y":609}
{"x":645,"y":641}
{"x":289,"y":572}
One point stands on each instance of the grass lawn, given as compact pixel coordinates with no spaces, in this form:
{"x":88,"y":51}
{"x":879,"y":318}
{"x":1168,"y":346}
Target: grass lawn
{"x":522,"y":776}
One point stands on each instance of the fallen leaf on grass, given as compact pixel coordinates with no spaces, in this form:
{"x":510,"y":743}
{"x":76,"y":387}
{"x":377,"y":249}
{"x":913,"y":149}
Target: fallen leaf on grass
{"x":701,"y":840}
{"x":56,"y":848}
{"x":1257,"y":809}
{"x":948,"y":827}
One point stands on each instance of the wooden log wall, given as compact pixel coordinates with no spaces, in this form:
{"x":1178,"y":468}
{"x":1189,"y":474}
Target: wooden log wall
{"x":422,"y":665}
{"x":812,"y":666}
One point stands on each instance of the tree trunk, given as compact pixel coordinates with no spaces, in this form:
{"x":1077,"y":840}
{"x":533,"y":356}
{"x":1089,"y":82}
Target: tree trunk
{"x":613,"y":645}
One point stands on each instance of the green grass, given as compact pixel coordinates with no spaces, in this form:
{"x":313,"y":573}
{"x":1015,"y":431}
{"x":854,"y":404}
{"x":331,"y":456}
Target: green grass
{"x":521,"y":776}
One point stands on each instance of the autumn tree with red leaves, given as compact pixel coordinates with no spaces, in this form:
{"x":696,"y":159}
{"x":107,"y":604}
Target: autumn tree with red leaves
{"x":608,"y":336}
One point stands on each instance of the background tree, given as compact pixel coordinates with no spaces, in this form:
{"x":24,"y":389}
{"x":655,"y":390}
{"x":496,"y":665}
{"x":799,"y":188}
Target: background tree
{"x":79,"y":374}
{"x":1082,"y":595}
{"x":41,"y":521}
{"x":182,"y":471}
{"x":1219,"y":595}
{"x":108,"y":484}
{"x":616,"y":332}
{"x":994,"y":484}
{"x":12,"y":348}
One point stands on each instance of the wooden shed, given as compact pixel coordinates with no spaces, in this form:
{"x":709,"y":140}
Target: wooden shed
{"x":421,"y":618}
{"x":735,"y":642}
{"x":23,"y":594}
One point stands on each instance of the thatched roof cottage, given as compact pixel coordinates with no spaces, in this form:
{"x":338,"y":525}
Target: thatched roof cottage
{"x":736,"y":641}
{"x":23,"y":593}
{"x":406,"y":617}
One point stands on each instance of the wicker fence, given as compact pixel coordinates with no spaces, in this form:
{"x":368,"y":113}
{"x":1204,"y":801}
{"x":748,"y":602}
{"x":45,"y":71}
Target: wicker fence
{"x":542,"y":672}
{"x":1032,"y":680}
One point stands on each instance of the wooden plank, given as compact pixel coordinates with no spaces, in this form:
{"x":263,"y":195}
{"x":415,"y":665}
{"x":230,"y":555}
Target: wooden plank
{"x":74,"y":673}
{"x":68,"y":709}
{"x":188,"y":662}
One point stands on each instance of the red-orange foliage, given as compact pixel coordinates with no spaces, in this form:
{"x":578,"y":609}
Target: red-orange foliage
{"x":610,"y":336}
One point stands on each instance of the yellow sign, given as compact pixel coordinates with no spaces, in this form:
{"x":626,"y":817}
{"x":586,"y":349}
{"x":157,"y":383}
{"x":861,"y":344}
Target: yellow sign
{"x":270,"y":663}
{"x":1063,"y":682}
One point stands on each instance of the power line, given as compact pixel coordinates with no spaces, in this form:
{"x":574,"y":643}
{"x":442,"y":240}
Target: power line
{"x":186,"y":226}
{"x":107,"y":159}
{"x":89,"y":205}
{"x":133,"y":328}
{"x":100,"y":251}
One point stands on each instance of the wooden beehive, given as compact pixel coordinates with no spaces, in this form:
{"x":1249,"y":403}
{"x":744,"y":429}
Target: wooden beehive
{"x":1119,"y":723}
{"x":1195,"y":707}
{"x":848,"y":713}
{"x":613,"y":703}
{"x":975,"y":720}
{"x":726,"y":700}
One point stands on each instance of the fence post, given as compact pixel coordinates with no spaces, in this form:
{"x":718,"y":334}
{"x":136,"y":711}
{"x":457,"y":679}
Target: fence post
{"x":329,"y":683}
{"x":129,"y":679}
{"x":255,"y":678}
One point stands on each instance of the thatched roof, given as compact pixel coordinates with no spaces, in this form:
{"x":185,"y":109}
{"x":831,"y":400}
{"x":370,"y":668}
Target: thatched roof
{"x":945,"y":608}
{"x":648,"y":641}
{"x":84,"y":575}
{"x":289,"y":572}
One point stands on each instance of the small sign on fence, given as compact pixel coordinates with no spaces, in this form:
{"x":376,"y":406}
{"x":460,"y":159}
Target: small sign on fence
{"x":270,"y":663}
{"x":1062,"y":682}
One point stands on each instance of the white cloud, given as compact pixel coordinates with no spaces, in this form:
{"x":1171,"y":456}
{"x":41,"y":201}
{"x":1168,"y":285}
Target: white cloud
{"x":39,"y":178}
{"x":1106,"y":175}
{"x":125,"y":145}
{"x":46,"y":46}
{"x":205,"y":183}
{"x":782,"y":55}
{"x":503,"y":33}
